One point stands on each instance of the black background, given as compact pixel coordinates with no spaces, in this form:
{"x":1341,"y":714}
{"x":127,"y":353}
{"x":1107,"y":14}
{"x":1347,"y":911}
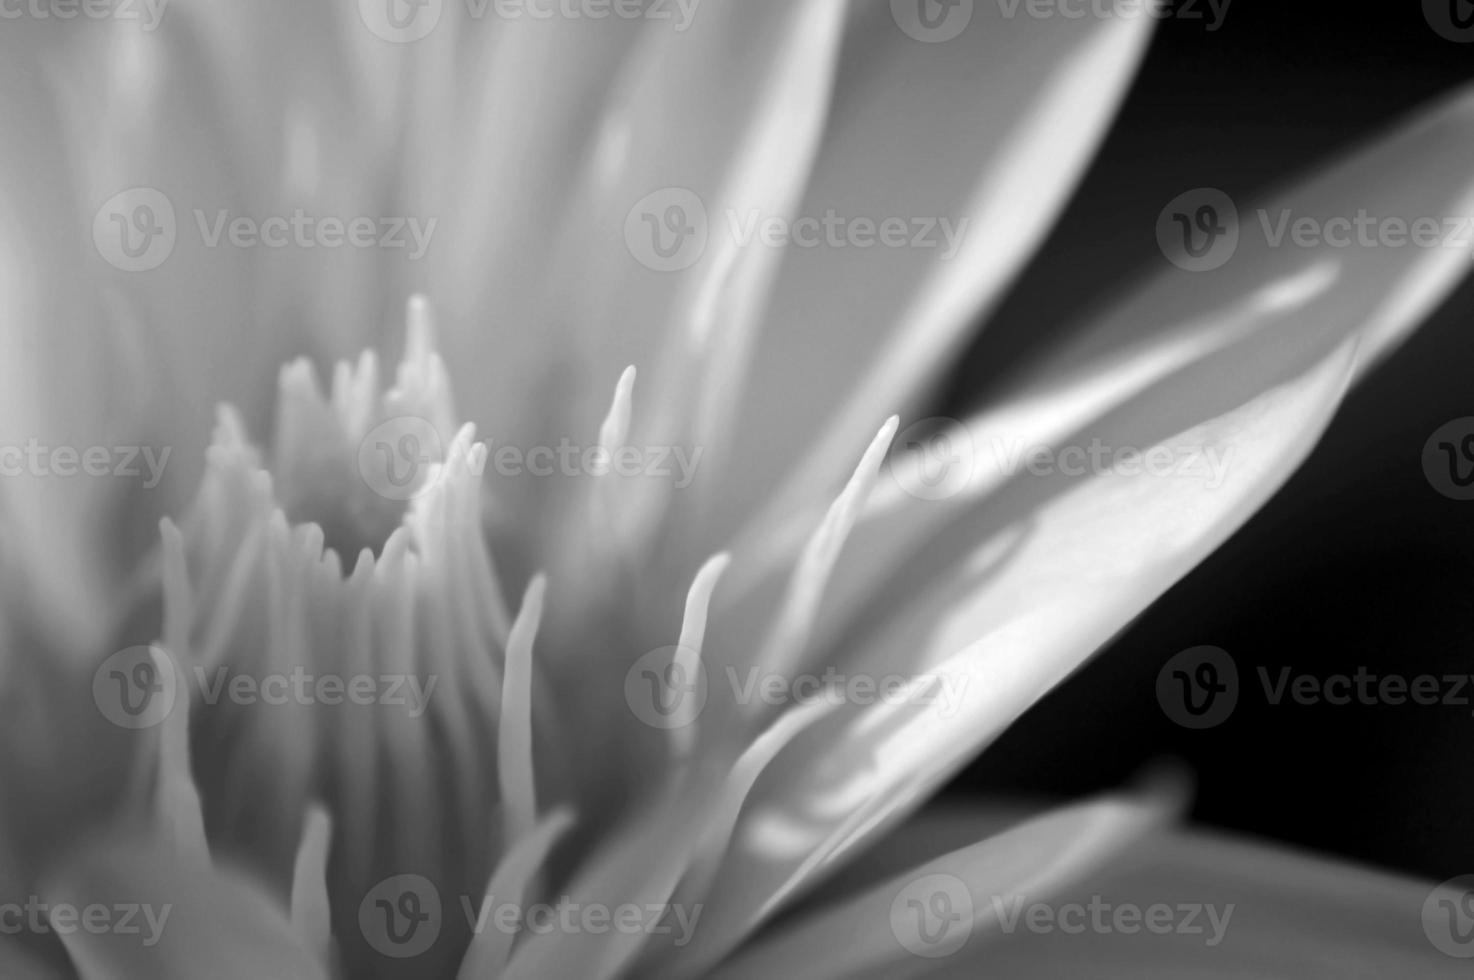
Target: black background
{"x":1358,"y":562}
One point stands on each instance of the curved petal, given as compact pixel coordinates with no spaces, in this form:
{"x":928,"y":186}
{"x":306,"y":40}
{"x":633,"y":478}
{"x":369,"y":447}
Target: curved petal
{"x":1257,"y":911}
{"x":989,"y":132}
{"x":185,"y":920}
{"x":1030,"y":585}
{"x":876,"y":932}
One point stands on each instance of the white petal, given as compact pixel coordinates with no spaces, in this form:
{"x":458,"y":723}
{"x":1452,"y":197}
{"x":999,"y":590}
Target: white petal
{"x":872,"y":933}
{"x":1029,"y":585}
{"x":992,"y":128}
{"x":1292,"y":916}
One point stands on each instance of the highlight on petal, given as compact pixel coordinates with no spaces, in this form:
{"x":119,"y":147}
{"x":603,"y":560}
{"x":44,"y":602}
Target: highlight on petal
{"x":937,"y":909}
{"x":1045,"y":571}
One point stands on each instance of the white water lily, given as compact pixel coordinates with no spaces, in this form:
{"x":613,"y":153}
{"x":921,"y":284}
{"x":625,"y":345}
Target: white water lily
{"x":300,"y":838}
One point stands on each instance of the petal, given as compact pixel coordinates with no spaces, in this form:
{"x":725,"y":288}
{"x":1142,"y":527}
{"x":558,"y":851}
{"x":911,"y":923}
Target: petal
{"x":188,"y":920}
{"x":1028,"y":586}
{"x":989,"y":131}
{"x":874,"y":932}
{"x":1262,"y":911}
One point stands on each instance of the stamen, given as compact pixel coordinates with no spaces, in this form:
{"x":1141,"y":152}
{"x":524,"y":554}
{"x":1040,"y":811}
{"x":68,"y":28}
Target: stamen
{"x":514,"y":737}
{"x":688,"y":652}
{"x":790,"y":632}
{"x":311,"y":913}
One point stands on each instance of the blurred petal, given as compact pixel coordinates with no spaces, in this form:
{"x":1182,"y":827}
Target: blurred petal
{"x":191,"y":920}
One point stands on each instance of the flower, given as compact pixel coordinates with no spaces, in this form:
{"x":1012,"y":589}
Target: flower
{"x":359,"y":697}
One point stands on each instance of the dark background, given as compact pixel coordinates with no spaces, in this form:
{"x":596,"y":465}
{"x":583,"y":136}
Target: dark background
{"x":1358,"y":561}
